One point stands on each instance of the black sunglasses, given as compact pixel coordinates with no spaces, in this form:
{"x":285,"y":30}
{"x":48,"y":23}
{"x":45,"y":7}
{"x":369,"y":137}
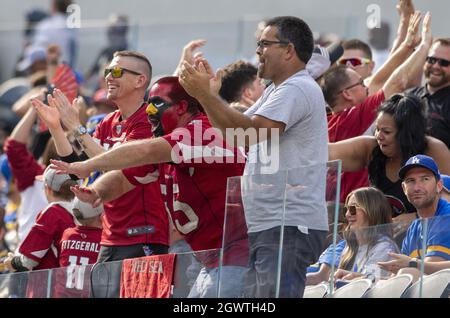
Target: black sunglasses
{"x":352,"y":209}
{"x":442,"y":62}
{"x":360,"y":82}
{"x":117,"y":72}
{"x":266,"y":43}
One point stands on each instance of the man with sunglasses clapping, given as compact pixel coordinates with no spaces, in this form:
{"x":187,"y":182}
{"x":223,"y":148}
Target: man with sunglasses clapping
{"x":136,"y":223}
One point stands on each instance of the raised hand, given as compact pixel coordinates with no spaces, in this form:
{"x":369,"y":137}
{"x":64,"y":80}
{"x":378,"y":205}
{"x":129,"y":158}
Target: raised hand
{"x":48,"y":114}
{"x":427,"y":38}
{"x":195,"y":80}
{"x":412,"y":38}
{"x":188,"y":55}
{"x":405,"y":8}
{"x":215,"y":81}
{"x":87,"y":194}
{"x":79,"y":169}
{"x":69,"y":113}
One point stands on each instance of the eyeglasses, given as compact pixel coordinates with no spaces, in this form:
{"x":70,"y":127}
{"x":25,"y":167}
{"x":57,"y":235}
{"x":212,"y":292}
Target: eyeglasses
{"x":432,"y":60}
{"x":360,"y":82}
{"x":266,"y":43}
{"x":117,"y":72}
{"x":352,"y":209}
{"x":355,"y":61}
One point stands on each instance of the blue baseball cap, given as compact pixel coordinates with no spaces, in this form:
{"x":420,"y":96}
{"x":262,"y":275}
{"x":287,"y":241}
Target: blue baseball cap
{"x":446,"y":182}
{"x":419,"y":161}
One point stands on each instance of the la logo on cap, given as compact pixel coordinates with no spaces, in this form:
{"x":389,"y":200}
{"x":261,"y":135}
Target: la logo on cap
{"x":415,"y":160}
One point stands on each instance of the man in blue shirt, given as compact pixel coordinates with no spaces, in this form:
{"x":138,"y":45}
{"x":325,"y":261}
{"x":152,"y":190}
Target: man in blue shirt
{"x":422,"y":185}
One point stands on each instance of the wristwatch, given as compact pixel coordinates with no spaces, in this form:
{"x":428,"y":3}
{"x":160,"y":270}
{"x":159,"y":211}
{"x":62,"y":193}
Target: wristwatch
{"x":413,"y":263}
{"x":80,"y":131}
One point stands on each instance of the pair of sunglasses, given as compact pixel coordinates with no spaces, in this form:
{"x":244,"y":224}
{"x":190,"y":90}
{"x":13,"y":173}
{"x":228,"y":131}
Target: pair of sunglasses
{"x":117,"y":72}
{"x":352,"y":209}
{"x":442,"y":62}
{"x":360,"y":82}
{"x":356,"y":61}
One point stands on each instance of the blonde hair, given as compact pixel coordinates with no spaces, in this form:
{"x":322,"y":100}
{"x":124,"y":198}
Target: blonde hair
{"x":377,"y":211}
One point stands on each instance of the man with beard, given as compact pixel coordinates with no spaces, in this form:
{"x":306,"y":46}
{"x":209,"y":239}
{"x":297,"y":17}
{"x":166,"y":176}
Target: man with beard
{"x":436,"y":92}
{"x":422,"y":185}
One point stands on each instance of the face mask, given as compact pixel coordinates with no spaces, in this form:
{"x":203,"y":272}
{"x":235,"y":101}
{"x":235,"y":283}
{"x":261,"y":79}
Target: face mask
{"x":155,"y":109}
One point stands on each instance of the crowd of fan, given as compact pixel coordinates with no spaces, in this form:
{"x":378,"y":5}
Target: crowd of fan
{"x":388,"y":123}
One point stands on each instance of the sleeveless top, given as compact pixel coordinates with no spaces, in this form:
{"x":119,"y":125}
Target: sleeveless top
{"x":394,"y":189}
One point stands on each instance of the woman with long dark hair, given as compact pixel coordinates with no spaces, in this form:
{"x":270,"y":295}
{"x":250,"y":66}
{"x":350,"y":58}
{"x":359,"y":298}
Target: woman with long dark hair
{"x":400,"y":133}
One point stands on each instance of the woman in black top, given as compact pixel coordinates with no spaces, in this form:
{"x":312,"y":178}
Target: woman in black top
{"x":399,"y":135}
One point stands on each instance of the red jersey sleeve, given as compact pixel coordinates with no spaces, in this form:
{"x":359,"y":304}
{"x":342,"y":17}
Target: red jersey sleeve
{"x":24,"y":167}
{"x":199,"y":145}
{"x":141,"y":175}
{"x":40,"y":237}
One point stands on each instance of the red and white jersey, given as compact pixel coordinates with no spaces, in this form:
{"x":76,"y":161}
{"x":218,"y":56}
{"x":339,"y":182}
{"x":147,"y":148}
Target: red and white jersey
{"x":42,"y":242}
{"x":194,"y":189}
{"x":139,"y":215}
{"x":80,"y":245}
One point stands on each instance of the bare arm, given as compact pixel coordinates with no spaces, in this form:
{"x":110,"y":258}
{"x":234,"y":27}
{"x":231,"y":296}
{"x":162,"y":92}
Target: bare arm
{"x":107,"y":187}
{"x":399,"y":261}
{"x":21,"y":106}
{"x":405,"y":9}
{"x":322,"y":275}
{"x":379,"y":80}
{"x":440,"y":153}
{"x":22,"y":131}
{"x":410,"y":71}
{"x":355,"y":153}
{"x":130,"y":154}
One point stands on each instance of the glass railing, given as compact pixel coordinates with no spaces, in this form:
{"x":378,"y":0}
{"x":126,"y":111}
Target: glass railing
{"x":365,"y":267}
{"x":360,"y":261}
{"x":268,"y":205}
{"x":113,"y":280}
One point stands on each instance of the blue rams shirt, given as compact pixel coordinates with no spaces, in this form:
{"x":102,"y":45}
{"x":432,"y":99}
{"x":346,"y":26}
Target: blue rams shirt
{"x":437,"y":238}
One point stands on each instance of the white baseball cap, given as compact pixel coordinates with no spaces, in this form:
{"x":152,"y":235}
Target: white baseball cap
{"x":52,"y":179}
{"x":84,"y":210}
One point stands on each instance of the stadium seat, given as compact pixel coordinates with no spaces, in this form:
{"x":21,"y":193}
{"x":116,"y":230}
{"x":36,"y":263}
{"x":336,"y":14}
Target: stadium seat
{"x":436,"y":285}
{"x":355,"y":289}
{"x":105,"y":280}
{"x":391,"y":288}
{"x":316,"y":291}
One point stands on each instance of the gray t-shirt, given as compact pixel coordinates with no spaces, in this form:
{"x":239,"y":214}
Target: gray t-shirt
{"x":366,"y":260}
{"x":289,"y":177}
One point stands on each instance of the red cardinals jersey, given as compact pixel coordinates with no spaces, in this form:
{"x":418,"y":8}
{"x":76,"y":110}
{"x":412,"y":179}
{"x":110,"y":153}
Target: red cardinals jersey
{"x":42,"y":242}
{"x":194,"y":189}
{"x":139,"y":215}
{"x":80,"y":245}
